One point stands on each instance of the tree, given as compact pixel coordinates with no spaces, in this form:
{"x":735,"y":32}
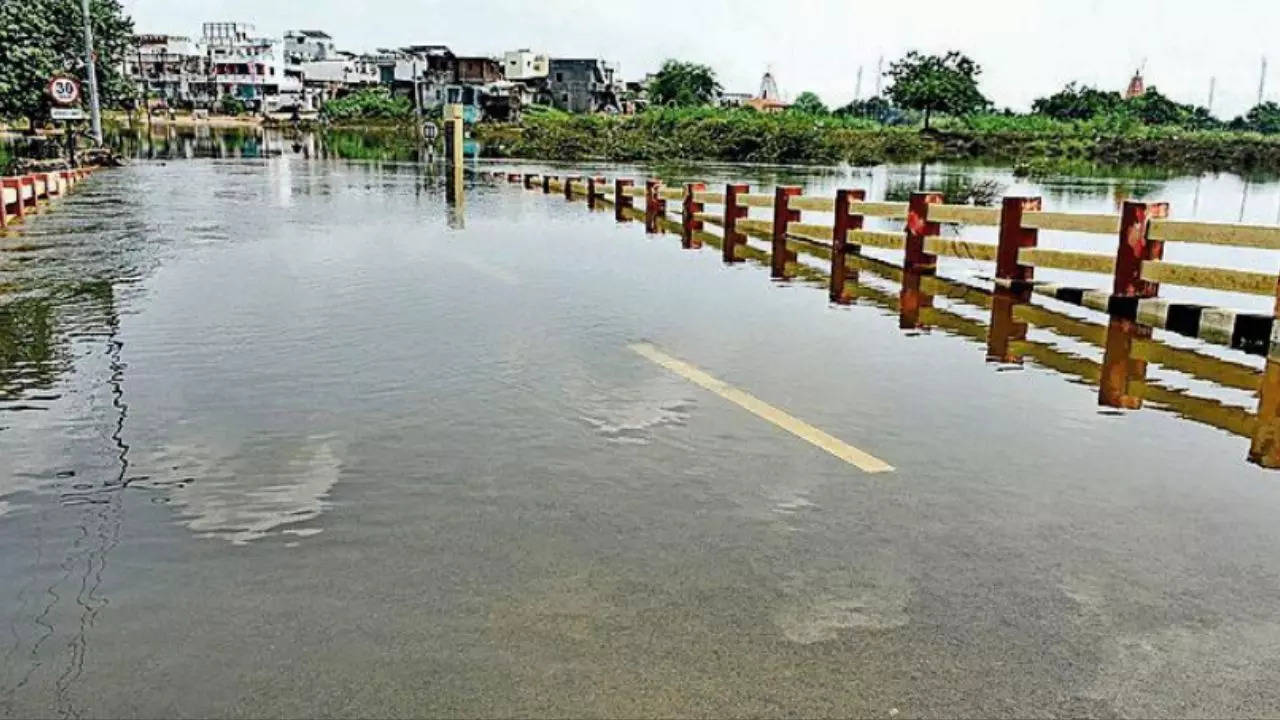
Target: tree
{"x":873,"y":108}
{"x":1155,"y":108}
{"x":936,"y":84}
{"x":810,"y":104}
{"x":1077,"y":103}
{"x":40,"y":38}
{"x":683,"y":84}
{"x":1264,"y":118}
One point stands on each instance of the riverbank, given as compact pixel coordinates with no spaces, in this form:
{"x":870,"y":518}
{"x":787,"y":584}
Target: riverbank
{"x":800,"y":139}
{"x":184,"y":120}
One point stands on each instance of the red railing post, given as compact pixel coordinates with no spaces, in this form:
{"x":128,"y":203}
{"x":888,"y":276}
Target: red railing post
{"x":1014,"y":237}
{"x":782,"y":215}
{"x":621,"y":198}
{"x":918,"y":228}
{"x":31,"y":180}
{"x":690,"y":208}
{"x":546,"y":184}
{"x":733,"y":212}
{"x":1135,"y":247}
{"x":655,"y":206}
{"x":14,"y":184}
{"x":844,"y":222}
{"x":595,"y":185}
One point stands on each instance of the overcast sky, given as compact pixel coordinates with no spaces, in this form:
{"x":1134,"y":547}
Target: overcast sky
{"x":1026,"y":48}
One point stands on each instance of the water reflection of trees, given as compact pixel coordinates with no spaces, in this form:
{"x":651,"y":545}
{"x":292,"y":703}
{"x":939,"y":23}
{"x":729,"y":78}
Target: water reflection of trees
{"x":29,"y":356}
{"x":169,"y":142}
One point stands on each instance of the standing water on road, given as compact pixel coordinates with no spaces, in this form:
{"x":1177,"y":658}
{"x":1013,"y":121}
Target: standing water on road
{"x":290,"y":435}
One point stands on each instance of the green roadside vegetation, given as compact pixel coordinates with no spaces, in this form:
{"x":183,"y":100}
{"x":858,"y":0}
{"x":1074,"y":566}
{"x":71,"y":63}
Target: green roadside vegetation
{"x":932,"y":110}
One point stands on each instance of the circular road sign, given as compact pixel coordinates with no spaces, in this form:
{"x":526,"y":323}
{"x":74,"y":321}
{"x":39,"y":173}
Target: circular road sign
{"x":430,"y":130}
{"x":64,"y":90}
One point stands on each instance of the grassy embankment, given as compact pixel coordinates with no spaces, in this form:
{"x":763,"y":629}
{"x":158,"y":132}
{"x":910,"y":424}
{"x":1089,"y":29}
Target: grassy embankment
{"x":1031,"y":143}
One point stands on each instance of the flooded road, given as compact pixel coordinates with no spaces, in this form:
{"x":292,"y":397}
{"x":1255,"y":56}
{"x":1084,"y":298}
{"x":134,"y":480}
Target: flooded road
{"x":295,"y":438}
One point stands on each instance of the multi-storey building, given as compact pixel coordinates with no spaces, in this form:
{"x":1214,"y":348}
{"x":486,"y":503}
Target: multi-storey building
{"x":308,"y":46}
{"x":524,"y":65}
{"x":249,"y":67}
{"x":581,"y":85}
{"x":171,"y":69}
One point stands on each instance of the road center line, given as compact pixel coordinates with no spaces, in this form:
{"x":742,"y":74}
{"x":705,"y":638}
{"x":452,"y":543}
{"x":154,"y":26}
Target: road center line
{"x":762,"y":409}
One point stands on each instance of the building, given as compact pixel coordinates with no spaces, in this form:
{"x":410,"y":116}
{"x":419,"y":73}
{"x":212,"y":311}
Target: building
{"x":477,"y":70}
{"x":308,"y":46}
{"x":769,"y":100}
{"x":249,"y":67}
{"x":343,"y":72}
{"x":580,"y":85}
{"x":733,"y":99}
{"x":1137,"y":86}
{"x":524,"y":65}
{"x":171,"y":69}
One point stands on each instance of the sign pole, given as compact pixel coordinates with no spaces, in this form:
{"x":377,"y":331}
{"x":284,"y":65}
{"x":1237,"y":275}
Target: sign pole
{"x":95,"y":110}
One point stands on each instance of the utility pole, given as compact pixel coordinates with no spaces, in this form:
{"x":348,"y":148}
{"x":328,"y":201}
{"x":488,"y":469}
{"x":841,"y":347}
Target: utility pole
{"x":417,"y":99}
{"x":857,"y":88}
{"x":1213,"y":85}
{"x":1262,"y":79}
{"x":880,"y":76}
{"x":146,"y":105}
{"x":95,"y":109}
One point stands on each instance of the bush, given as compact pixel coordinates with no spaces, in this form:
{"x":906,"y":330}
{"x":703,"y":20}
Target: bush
{"x":231,"y":105}
{"x":375,"y":103}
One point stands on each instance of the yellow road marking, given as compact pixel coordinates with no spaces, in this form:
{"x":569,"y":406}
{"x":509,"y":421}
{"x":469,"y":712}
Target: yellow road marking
{"x":762,"y":409}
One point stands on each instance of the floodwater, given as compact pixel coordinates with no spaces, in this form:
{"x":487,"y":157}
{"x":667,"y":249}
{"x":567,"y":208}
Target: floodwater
{"x":292,"y":436}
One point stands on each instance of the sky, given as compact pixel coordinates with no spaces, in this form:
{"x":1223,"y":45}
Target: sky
{"x":1027,"y":48}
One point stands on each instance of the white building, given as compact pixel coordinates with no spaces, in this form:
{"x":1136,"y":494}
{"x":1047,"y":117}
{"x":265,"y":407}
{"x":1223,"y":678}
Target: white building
{"x":308,"y":46}
{"x":249,"y":67}
{"x":524,"y":64}
{"x":325,"y":80}
{"x":169,"y":68}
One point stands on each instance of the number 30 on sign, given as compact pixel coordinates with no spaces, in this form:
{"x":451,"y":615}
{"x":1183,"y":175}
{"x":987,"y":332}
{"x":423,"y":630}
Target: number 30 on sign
{"x":64,"y":90}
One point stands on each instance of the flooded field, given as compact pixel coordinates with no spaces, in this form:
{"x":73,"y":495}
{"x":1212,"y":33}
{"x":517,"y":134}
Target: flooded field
{"x":285,"y":434}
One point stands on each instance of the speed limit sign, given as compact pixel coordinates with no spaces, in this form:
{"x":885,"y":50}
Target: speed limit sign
{"x":64,"y":90}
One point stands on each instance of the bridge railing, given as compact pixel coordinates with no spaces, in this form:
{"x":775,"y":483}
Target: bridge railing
{"x":1136,"y":269}
{"x":21,"y":195}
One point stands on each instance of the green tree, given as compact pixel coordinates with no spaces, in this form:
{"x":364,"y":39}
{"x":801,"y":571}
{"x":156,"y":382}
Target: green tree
{"x":683,"y":84}
{"x":41,"y":38}
{"x":809,"y":103}
{"x":1077,"y":103}
{"x":873,"y":108}
{"x":945,"y":84}
{"x":231,"y":105}
{"x":1155,"y":108}
{"x":1264,"y":118}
